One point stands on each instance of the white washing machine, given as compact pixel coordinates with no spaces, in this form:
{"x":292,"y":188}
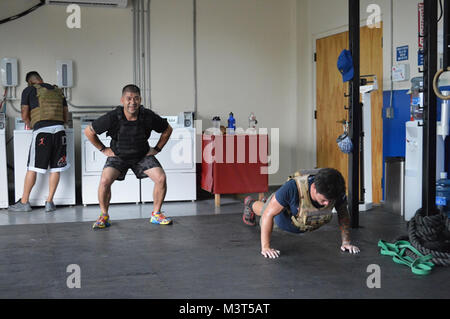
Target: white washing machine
{"x":3,"y":168}
{"x":126,"y":191}
{"x":65,"y":193}
{"x":178,"y":159}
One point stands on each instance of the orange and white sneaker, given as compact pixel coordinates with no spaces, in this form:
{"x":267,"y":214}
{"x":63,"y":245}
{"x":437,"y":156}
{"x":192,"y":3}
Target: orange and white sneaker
{"x":160,"y":219}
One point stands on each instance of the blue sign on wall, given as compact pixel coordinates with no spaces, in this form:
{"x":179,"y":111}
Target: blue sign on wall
{"x":402,"y":53}
{"x":420,"y":57}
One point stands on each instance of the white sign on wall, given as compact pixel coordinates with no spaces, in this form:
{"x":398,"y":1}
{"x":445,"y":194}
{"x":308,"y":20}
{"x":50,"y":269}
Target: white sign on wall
{"x":400,"y":72}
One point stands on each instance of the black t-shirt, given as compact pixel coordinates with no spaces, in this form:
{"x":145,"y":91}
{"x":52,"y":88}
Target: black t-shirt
{"x":110,"y":123}
{"x":29,"y":97}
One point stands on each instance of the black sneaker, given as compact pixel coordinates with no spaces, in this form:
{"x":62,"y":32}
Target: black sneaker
{"x":248,"y":216}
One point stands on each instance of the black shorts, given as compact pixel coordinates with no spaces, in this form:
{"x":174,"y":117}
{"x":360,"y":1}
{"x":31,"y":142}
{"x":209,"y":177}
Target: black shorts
{"x":137,"y":166}
{"x":48,"y":150}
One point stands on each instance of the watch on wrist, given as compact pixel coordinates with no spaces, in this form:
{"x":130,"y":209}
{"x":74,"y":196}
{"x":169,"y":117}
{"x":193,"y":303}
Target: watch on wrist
{"x":103,"y":148}
{"x":157,"y":149}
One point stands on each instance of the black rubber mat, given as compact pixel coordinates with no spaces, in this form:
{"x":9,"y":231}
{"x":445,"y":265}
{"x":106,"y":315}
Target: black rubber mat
{"x":213,"y":256}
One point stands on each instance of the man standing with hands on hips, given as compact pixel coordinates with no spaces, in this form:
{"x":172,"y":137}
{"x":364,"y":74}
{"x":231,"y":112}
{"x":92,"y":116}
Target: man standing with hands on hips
{"x":129,"y":127}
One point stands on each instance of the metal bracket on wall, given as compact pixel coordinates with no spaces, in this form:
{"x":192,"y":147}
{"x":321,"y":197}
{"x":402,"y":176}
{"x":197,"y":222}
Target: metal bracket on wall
{"x":390,"y":112}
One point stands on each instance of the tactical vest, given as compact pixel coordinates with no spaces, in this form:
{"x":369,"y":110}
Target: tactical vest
{"x":130,"y":139}
{"x":50,"y":105}
{"x":309,"y":218}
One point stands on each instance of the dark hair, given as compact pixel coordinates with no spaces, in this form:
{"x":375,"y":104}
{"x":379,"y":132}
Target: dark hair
{"x":131,"y":88}
{"x":330,"y":183}
{"x":31,"y":75}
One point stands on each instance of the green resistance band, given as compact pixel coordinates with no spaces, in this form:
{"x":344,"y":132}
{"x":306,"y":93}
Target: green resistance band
{"x":419,"y":266}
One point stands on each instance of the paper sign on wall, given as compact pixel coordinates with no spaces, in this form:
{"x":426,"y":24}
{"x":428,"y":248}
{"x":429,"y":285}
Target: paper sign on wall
{"x":400,"y":72}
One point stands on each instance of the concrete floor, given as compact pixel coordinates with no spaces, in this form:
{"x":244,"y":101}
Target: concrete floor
{"x":80,"y":213}
{"x":207,"y":253}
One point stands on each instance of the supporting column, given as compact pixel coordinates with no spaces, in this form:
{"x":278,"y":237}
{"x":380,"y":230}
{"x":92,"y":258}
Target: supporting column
{"x":355,"y":115}
{"x":446,"y":63}
{"x":446,"y":33}
{"x":430,"y":108}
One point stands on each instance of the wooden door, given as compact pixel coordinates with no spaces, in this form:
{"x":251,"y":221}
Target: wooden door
{"x":331,"y":102}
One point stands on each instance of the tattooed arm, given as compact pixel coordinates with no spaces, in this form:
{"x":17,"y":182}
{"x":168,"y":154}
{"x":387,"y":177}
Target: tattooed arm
{"x":344,"y":225}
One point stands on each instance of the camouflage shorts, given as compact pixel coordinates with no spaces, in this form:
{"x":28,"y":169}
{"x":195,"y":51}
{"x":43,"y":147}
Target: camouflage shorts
{"x":137,"y":166}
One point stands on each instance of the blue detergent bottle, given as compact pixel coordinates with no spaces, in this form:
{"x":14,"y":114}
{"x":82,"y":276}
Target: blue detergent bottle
{"x":231,"y":124}
{"x":443,"y":194}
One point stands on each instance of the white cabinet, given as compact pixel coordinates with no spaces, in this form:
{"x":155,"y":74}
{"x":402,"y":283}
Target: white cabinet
{"x":178,"y":159}
{"x":413,"y":166}
{"x":3,"y":171}
{"x":180,"y":186}
{"x":65,"y":193}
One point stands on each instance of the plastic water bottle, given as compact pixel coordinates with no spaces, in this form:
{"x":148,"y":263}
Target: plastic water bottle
{"x":252,"y":121}
{"x":231,"y":128}
{"x":216,"y":122}
{"x":215,"y":130}
{"x":443,"y":194}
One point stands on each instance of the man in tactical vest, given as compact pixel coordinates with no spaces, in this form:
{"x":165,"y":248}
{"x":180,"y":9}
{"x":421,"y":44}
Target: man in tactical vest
{"x":44,"y":109}
{"x":129,"y":127}
{"x":304,"y":203}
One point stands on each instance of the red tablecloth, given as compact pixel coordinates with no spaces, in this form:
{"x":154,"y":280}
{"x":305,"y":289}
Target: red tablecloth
{"x":232,"y":164}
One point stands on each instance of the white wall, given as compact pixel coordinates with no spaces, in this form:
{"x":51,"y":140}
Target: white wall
{"x":101,"y":50}
{"x":172,"y":56}
{"x":246,"y":56}
{"x":306,"y":151}
{"x":247,"y":63}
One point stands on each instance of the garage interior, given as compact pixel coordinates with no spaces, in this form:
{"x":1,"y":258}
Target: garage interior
{"x":273,"y":65}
